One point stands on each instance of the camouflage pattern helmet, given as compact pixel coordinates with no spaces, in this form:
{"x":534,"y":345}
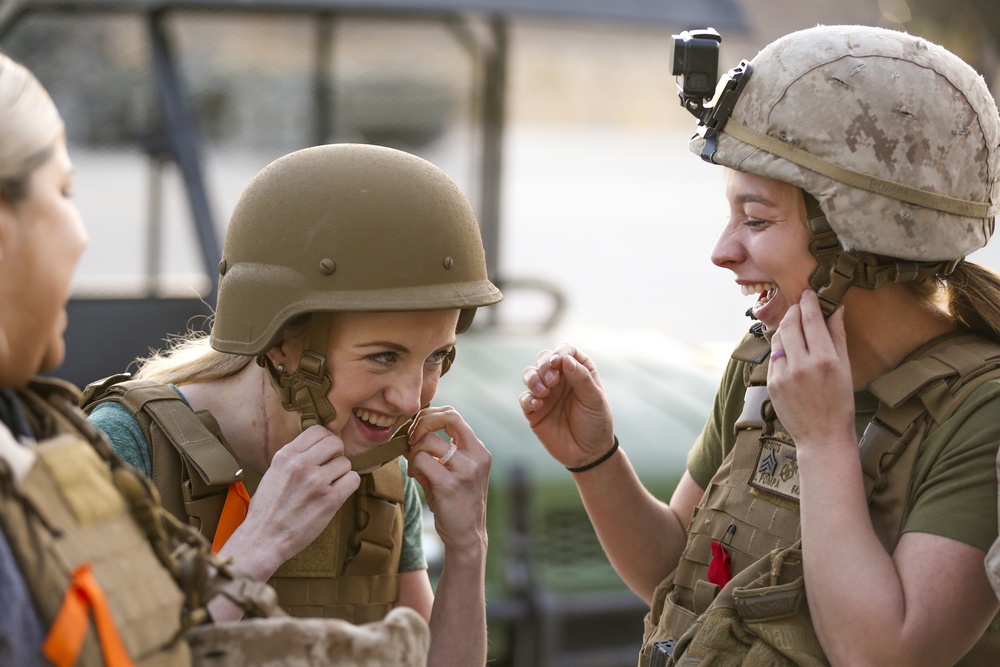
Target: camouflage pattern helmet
{"x":346,"y":227}
{"x":896,"y":137}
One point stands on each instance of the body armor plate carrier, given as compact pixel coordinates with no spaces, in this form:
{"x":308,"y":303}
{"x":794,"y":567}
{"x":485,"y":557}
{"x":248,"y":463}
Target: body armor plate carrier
{"x":69,"y":510}
{"x":350,"y":572}
{"x":761,"y":616}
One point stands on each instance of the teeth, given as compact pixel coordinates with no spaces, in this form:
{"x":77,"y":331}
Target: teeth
{"x":757,"y":288}
{"x":373,"y":419}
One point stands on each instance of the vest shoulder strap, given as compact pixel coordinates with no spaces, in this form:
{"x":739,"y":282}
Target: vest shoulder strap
{"x":186,"y":430}
{"x":192,"y":465}
{"x":914,"y":399}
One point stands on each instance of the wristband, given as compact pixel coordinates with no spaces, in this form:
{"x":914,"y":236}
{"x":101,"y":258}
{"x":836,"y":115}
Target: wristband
{"x":585,"y":468}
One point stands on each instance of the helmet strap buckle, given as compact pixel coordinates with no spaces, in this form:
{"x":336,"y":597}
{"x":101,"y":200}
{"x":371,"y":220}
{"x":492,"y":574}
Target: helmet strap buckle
{"x":305,"y":390}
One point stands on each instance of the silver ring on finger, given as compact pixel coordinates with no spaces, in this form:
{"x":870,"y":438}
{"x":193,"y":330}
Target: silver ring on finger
{"x":448,"y":455}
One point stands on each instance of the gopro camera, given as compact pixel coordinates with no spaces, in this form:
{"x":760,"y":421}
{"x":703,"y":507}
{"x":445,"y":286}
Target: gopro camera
{"x":696,"y":61}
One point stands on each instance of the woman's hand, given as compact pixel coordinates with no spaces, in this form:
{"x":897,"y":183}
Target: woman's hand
{"x":566,"y":407}
{"x":809,"y":377}
{"x":307,"y":483}
{"x":454,"y":475}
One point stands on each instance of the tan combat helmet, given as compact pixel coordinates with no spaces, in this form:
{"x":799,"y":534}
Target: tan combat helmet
{"x":896,"y":138}
{"x":337,"y":228}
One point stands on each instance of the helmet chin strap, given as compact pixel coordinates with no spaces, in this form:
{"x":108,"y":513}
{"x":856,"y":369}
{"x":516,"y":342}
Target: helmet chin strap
{"x":838,"y":270}
{"x":305,"y":390}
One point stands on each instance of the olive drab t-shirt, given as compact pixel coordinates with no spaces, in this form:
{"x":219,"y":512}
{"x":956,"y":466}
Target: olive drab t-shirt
{"x":954,"y":491}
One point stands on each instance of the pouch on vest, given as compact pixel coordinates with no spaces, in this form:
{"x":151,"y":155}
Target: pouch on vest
{"x":759,"y":619}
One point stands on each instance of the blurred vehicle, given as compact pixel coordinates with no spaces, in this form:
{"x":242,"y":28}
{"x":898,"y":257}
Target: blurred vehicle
{"x":173,"y":105}
{"x":553,"y":598}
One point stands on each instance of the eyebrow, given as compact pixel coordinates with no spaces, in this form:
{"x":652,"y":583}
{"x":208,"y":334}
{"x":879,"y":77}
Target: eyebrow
{"x":752,"y":198}
{"x":384,"y":343}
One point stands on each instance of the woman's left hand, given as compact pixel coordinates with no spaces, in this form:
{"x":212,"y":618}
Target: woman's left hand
{"x":809,"y":376}
{"x":454,"y":475}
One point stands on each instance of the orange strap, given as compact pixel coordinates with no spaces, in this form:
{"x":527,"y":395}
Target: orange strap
{"x":65,"y":639}
{"x":233,"y":513}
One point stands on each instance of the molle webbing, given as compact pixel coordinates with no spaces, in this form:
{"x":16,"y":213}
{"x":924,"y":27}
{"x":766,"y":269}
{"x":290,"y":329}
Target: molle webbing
{"x":192,"y":466}
{"x":762,"y":524}
{"x":67,"y":511}
{"x":351,"y":571}
{"x":353,"y":577}
{"x":915,"y":398}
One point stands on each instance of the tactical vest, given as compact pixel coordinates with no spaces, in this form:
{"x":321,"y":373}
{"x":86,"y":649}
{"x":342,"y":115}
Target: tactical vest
{"x":69,"y":510}
{"x":350,"y":572}
{"x":761,"y":616}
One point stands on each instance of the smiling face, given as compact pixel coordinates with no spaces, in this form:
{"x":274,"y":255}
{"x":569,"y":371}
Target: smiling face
{"x":384,"y":367}
{"x":41,"y":240}
{"x":766,"y":243}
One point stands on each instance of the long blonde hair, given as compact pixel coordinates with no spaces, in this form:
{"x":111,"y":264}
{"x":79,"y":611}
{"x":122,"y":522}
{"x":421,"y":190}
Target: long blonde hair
{"x":189,"y":360}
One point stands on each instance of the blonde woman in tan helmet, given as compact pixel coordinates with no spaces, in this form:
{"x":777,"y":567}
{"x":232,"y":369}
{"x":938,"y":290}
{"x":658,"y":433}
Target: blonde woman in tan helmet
{"x":347,"y":272}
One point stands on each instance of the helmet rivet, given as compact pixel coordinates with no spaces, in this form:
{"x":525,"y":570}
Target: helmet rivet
{"x":448,"y":262}
{"x":222,"y":267}
{"x":327,"y":266}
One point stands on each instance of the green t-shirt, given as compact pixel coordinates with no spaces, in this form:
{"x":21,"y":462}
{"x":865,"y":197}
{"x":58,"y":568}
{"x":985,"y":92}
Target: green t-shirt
{"x":130,"y":444}
{"x":954,"y":492}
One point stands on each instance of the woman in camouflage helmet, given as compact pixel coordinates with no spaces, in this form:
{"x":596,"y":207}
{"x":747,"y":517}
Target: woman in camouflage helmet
{"x":347,"y":272}
{"x":838,"y":505}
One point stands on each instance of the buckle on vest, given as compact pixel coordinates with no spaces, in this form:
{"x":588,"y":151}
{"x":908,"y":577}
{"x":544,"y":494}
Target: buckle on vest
{"x":661,"y":651}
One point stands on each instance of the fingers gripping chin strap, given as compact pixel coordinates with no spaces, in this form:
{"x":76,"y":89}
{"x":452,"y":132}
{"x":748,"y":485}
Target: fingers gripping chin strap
{"x":838,"y":269}
{"x":396,"y":446}
{"x":305,"y":390}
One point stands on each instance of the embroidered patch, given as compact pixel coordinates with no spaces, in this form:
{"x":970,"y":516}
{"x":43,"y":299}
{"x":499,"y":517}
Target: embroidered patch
{"x":776,"y":469}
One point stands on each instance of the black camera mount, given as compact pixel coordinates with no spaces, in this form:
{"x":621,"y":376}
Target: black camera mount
{"x":696,"y":62}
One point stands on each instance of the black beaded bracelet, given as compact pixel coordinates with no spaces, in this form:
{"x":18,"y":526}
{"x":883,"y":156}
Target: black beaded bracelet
{"x":614,"y":448}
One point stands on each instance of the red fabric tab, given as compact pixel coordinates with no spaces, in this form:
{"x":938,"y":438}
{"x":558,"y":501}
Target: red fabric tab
{"x":718,"y":568}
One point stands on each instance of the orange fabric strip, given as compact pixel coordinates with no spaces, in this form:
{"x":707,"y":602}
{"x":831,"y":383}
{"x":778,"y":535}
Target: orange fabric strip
{"x":233,"y":514}
{"x":69,"y":629}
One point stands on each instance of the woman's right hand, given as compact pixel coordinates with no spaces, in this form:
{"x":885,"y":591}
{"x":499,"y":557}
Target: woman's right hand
{"x":308,"y":481}
{"x":566,"y":407}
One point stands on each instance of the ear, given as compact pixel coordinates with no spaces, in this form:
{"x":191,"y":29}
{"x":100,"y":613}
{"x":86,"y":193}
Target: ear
{"x":286,"y":353}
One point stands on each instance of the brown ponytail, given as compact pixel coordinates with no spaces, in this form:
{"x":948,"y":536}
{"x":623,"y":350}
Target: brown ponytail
{"x":973,"y":298}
